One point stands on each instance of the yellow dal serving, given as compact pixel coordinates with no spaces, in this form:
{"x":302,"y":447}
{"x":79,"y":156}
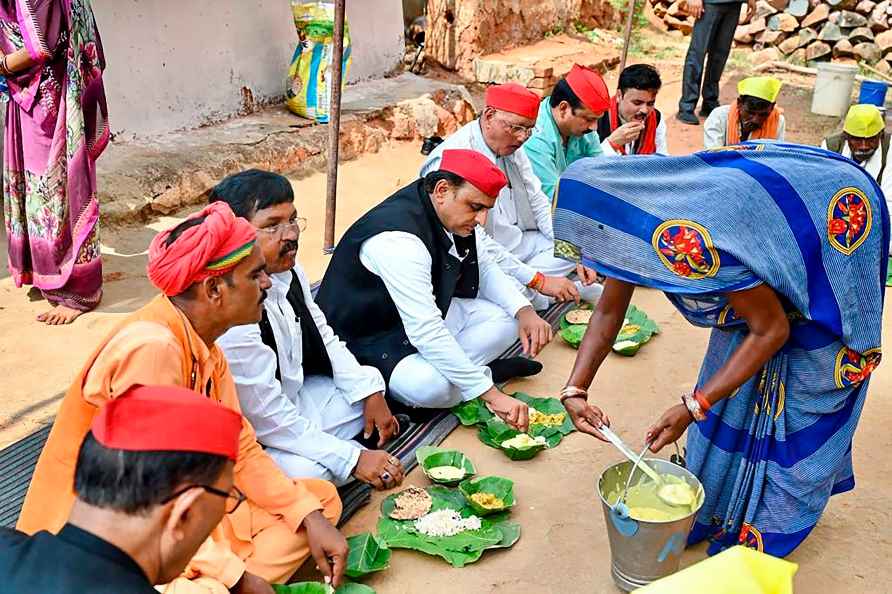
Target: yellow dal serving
{"x":487,"y":500}
{"x":650,"y":502}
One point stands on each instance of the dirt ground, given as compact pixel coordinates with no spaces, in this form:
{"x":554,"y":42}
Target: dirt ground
{"x":563,"y":547}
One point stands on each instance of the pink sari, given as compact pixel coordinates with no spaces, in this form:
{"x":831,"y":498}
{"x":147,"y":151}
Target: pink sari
{"x":56,"y":127}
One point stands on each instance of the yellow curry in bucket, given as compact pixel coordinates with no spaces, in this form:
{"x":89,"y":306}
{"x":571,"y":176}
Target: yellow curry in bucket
{"x":671,"y":499}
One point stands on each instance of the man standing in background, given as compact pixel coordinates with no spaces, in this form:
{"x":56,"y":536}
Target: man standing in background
{"x":712,"y":36}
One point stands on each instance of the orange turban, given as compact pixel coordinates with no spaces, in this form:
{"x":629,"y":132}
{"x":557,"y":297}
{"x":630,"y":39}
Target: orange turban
{"x":210,"y":248}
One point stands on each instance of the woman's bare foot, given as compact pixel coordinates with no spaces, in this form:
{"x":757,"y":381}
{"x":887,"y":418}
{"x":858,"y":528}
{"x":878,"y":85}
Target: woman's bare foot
{"x":59,"y":316}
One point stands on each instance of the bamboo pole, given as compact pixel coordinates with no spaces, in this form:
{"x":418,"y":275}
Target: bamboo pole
{"x":627,"y":36}
{"x":334,"y":127}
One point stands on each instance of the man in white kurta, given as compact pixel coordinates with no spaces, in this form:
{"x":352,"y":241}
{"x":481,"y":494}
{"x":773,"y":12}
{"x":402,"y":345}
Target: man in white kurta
{"x":450,"y":365}
{"x":413,"y":290}
{"x":306,"y":419}
{"x":518,"y":231}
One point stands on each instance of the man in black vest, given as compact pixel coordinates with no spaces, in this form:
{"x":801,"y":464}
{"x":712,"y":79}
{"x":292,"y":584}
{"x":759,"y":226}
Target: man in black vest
{"x":413,"y":293}
{"x":633,"y":125}
{"x":303,"y":392}
{"x":153,"y":479}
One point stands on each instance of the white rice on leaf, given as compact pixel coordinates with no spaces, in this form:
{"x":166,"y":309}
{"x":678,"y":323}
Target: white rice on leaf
{"x":445,"y":522}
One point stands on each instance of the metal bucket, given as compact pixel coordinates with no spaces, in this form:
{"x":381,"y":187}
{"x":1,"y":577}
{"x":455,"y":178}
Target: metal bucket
{"x":642,"y":552}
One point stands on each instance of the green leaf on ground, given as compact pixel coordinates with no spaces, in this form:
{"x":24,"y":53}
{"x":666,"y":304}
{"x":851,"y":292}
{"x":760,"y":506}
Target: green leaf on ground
{"x":497,"y":486}
{"x":495,"y":432}
{"x":458,"y":550}
{"x":548,"y":406}
{"x":432,"y":457}
{"x":472,"y":412}
{"x":367,"y":555}
{"x":320,"y":588}
{"x":637,"y":330}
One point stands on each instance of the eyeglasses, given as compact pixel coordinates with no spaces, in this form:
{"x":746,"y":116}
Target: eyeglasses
{"x":233,"y":499}
{"x":518,"y":130}
{"x":299,"y":224}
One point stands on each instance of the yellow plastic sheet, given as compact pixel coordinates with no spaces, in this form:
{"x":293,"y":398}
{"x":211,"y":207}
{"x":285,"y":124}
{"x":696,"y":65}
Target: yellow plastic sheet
{"x":738,"y":570}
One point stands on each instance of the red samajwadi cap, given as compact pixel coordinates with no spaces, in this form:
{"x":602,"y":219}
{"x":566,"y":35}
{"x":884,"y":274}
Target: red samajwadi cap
{"x":167,"y":419}
{"x":591,"y":89}
{"x":513,"y":98}
{"x":475,"y":168}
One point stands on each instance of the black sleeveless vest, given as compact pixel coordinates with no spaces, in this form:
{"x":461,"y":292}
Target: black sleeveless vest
{"x":356,"y":302}
{"x":315,"y":359}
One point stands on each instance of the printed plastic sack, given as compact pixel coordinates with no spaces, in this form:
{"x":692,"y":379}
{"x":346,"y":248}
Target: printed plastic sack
{"x":308,"y":87}
{"x":737,"y":570}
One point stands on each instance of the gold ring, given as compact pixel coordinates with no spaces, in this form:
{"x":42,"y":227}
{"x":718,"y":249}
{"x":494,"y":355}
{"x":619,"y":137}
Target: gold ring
{"x":394,"y":461}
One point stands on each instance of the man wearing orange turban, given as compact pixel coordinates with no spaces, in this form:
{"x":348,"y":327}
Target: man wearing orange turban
{"x":518,"y":231}
{"x":212,"y":276}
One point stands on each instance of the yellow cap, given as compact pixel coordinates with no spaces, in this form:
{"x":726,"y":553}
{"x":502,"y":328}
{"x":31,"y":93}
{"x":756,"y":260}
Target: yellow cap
{"x":864,"y":121}
{"x":762,"y":87}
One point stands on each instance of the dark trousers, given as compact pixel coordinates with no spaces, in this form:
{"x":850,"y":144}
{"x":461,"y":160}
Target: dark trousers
{"x":713,"y":34}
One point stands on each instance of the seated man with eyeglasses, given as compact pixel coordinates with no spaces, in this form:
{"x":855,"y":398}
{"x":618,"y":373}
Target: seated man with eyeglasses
{"x":518,"y":230}
{"x":302,"y":390}
{"x":153,"y":478}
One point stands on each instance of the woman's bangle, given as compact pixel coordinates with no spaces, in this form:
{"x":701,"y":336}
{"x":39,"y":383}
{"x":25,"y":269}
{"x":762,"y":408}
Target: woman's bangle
{"x":573,"y":392}
{"x":538,"y":282}
{"x":700,"y":397}
{"x":693,"y":407}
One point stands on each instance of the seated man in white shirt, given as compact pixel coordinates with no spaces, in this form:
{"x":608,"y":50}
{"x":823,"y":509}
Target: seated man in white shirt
{"x":414,"y":293}
{"x":298,"y":385}
{"x":518,"y":230}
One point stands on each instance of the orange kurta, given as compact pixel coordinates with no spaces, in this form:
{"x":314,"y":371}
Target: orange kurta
{"x":157,"y":345}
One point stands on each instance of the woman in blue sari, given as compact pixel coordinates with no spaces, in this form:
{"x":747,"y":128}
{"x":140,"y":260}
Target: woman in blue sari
{"x":780,"y":249}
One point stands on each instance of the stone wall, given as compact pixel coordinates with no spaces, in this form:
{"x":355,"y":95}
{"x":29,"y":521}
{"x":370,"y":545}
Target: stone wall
{"x":459,"y":31}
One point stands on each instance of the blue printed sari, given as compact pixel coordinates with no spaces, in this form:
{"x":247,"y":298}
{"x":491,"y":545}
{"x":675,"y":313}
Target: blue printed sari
{"x":810,"y":224}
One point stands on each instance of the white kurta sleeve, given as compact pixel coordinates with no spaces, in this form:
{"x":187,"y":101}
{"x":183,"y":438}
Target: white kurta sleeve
{"x":275,"y":418}
{"x":661,"y":141}
{"x":356,"y":381}
{"x":539,"y":202}
{"x":508,"y":262}
{"x":781,"y":128}
{"x":607,"y":148}
{"x":714,"y":128}
{"x":403,"y":263}
{"x":495,"y":285}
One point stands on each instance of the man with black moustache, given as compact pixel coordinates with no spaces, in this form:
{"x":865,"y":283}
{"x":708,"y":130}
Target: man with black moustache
{"x":302,"y":390}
